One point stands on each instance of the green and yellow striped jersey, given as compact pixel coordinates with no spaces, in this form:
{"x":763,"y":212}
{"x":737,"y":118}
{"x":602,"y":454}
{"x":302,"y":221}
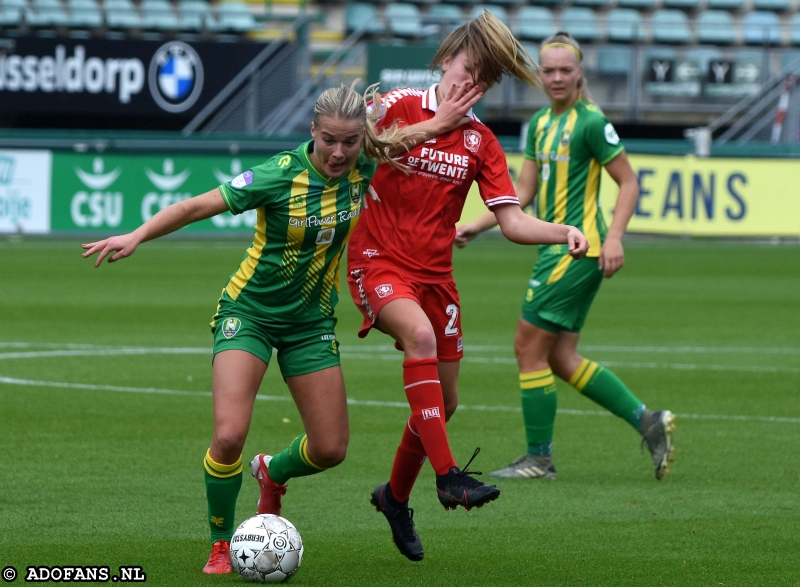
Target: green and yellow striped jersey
{"x":570,"y":150}
{"x":290,"y":274}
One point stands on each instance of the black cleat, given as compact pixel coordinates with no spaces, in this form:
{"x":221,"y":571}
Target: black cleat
{"x":401,"y":521}
{"x":457,"y":488}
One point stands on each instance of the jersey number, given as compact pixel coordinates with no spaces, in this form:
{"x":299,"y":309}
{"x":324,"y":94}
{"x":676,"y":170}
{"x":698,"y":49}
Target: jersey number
{"x":546,"y":171}
{"x":452,"y":311}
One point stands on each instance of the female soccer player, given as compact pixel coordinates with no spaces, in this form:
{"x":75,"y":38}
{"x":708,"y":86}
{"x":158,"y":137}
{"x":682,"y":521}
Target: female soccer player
{"x":400,"y":257}
{"x":568,"y":144}
{"x":281,"y":296}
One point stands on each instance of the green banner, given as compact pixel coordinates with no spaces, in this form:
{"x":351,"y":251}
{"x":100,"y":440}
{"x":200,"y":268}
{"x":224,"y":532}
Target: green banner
{"x":404,"y":66}
{"x":117,"y":193}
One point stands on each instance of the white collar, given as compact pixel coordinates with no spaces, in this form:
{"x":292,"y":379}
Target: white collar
{"x":430,"y":102}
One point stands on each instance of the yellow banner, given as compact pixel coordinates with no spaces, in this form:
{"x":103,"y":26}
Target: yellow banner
{"x":702,"y":197}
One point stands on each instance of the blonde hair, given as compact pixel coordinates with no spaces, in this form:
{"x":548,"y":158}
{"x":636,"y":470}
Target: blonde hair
{"x":564,"y":39}
{"x":491,"y":51}
{"x":346,"y":104}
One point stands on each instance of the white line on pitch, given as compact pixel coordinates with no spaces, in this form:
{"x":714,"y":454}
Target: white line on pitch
{"x":473,"y":348}
{"x":373,"y":403}
{"x":387,"y":357}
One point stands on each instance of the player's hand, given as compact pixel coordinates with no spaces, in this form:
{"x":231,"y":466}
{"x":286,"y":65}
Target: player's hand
{"x":464,"y":234}
{"x":123,"y":246}
{"x":612,"y":257}
{"x":578,"y":245}
{"x":373,"y":195}
{"x":452,"y":110}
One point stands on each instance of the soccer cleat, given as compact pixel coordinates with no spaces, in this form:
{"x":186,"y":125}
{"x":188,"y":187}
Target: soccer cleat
{"x":219,"y":561}
{"x":656,"y":429}
{"x":401,"y":521}
{"x":528,"y":467}
{"x":270,"y":500}
{"x":457,"y":488}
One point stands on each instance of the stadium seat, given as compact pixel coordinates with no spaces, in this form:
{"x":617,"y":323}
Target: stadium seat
{"x":446,"y":16}
{"x":84,"y":14}
{"x":595,"y":3}
{"x":682,"y":4}
{"x":460,"y":1}
{"x":613,"y":60}
{"x":121,"y":14}
{"x":794,"y":29}
{"x":235,"y":17}
{"x":535,"y":23}
{"x":638,"y":3}
{"x":195,"y":15}
{"x":761,"y":28}
{"x":726,"y":4}
{"x":158,"y":15}
{"x":358,"y":14}
{"x":670,"y":26}
{"x":12,"y":12}
{"x":47,"y":13}
{"x":716,"y":26}
{"x":773,"y":5}
{"x":703,"y":56}
{"x":625,"y":25}
{"x":790,"y":58}
{"x":581,"y":23}
{"x":403,"y":19}
{"x":497,"y":11}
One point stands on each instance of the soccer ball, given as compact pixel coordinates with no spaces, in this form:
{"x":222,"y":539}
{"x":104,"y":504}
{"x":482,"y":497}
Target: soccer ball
{"x":266,"y":549}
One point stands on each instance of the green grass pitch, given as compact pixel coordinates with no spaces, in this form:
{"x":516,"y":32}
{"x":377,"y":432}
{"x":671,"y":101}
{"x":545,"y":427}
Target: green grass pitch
{"x":105,"y":415}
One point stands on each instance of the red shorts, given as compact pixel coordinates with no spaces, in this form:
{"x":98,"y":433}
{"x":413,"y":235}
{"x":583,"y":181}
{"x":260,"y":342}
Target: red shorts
{"x":374,"y":287}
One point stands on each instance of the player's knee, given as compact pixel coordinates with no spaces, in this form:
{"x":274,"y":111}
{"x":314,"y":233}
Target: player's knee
{"x":328,"y":455}
{"x":420,"y":341}
{"x":228,"y":443}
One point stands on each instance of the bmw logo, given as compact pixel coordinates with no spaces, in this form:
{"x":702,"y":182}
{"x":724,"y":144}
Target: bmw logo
{"x":175,"y":77}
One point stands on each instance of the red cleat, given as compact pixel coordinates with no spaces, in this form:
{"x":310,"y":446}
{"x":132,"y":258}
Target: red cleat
{"x":219,"y":561}
{"x":271,"y":492}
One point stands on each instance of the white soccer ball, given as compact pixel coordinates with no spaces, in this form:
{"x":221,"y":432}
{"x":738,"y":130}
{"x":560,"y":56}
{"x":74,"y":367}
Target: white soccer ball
{"x":266,"y":549}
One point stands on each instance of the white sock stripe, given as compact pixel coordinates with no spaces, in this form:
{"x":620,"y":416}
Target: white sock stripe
{"x":421,"y":383}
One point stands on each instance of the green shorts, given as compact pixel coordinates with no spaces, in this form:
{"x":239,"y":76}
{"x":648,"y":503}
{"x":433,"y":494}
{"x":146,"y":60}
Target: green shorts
{"x":561,"y":291}
{"x":302,"y":348}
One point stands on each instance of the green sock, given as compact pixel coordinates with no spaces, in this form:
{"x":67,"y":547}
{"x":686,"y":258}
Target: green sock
{"x":222,"y":489}
{"x":603,"y":387}
{"x":293,"y":462}
{"x":539,"y":402}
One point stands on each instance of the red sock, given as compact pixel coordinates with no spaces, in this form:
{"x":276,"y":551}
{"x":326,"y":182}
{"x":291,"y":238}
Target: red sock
{"x":424,"y":393}
{"x":408,"y":461}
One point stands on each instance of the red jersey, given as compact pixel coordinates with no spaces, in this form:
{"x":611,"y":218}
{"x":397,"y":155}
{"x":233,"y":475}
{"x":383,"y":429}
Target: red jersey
{"x":414,"y":225}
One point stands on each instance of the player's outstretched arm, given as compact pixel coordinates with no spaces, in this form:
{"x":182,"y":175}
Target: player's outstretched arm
{"x":520,"y":228}
{"x":526,"y":191}
{"x":612,"y":255}
{"x":450,"y":113}
{"x":168,"y":220}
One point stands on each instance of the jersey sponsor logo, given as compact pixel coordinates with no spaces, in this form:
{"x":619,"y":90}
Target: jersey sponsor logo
{"x":565,"y":138}
{"x":355,"y":193}
{"x":441,"y":165}
{"x":317,"y":221}
{"x":611,"y":135}
{"x":175,"y":77}
{"x":328,"y":337}
{"x":371,"y":253}
{"x":472,"y":140}
{"x":230,"y":327}
{"x":384,"y":289}
{"x":428,"y":413}
{"x":325,"y":237}
{"x":242,"y":180}
{"x":552,"y":156}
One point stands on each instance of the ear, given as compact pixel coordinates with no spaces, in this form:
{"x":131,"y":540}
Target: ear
{"x":446,"y":63}
{"x":313,"y":130}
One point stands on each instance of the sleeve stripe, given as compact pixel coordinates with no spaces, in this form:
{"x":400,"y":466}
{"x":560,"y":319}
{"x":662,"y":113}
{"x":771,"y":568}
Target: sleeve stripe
{"x":223,"y":189}
{"x":502,"y":200}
